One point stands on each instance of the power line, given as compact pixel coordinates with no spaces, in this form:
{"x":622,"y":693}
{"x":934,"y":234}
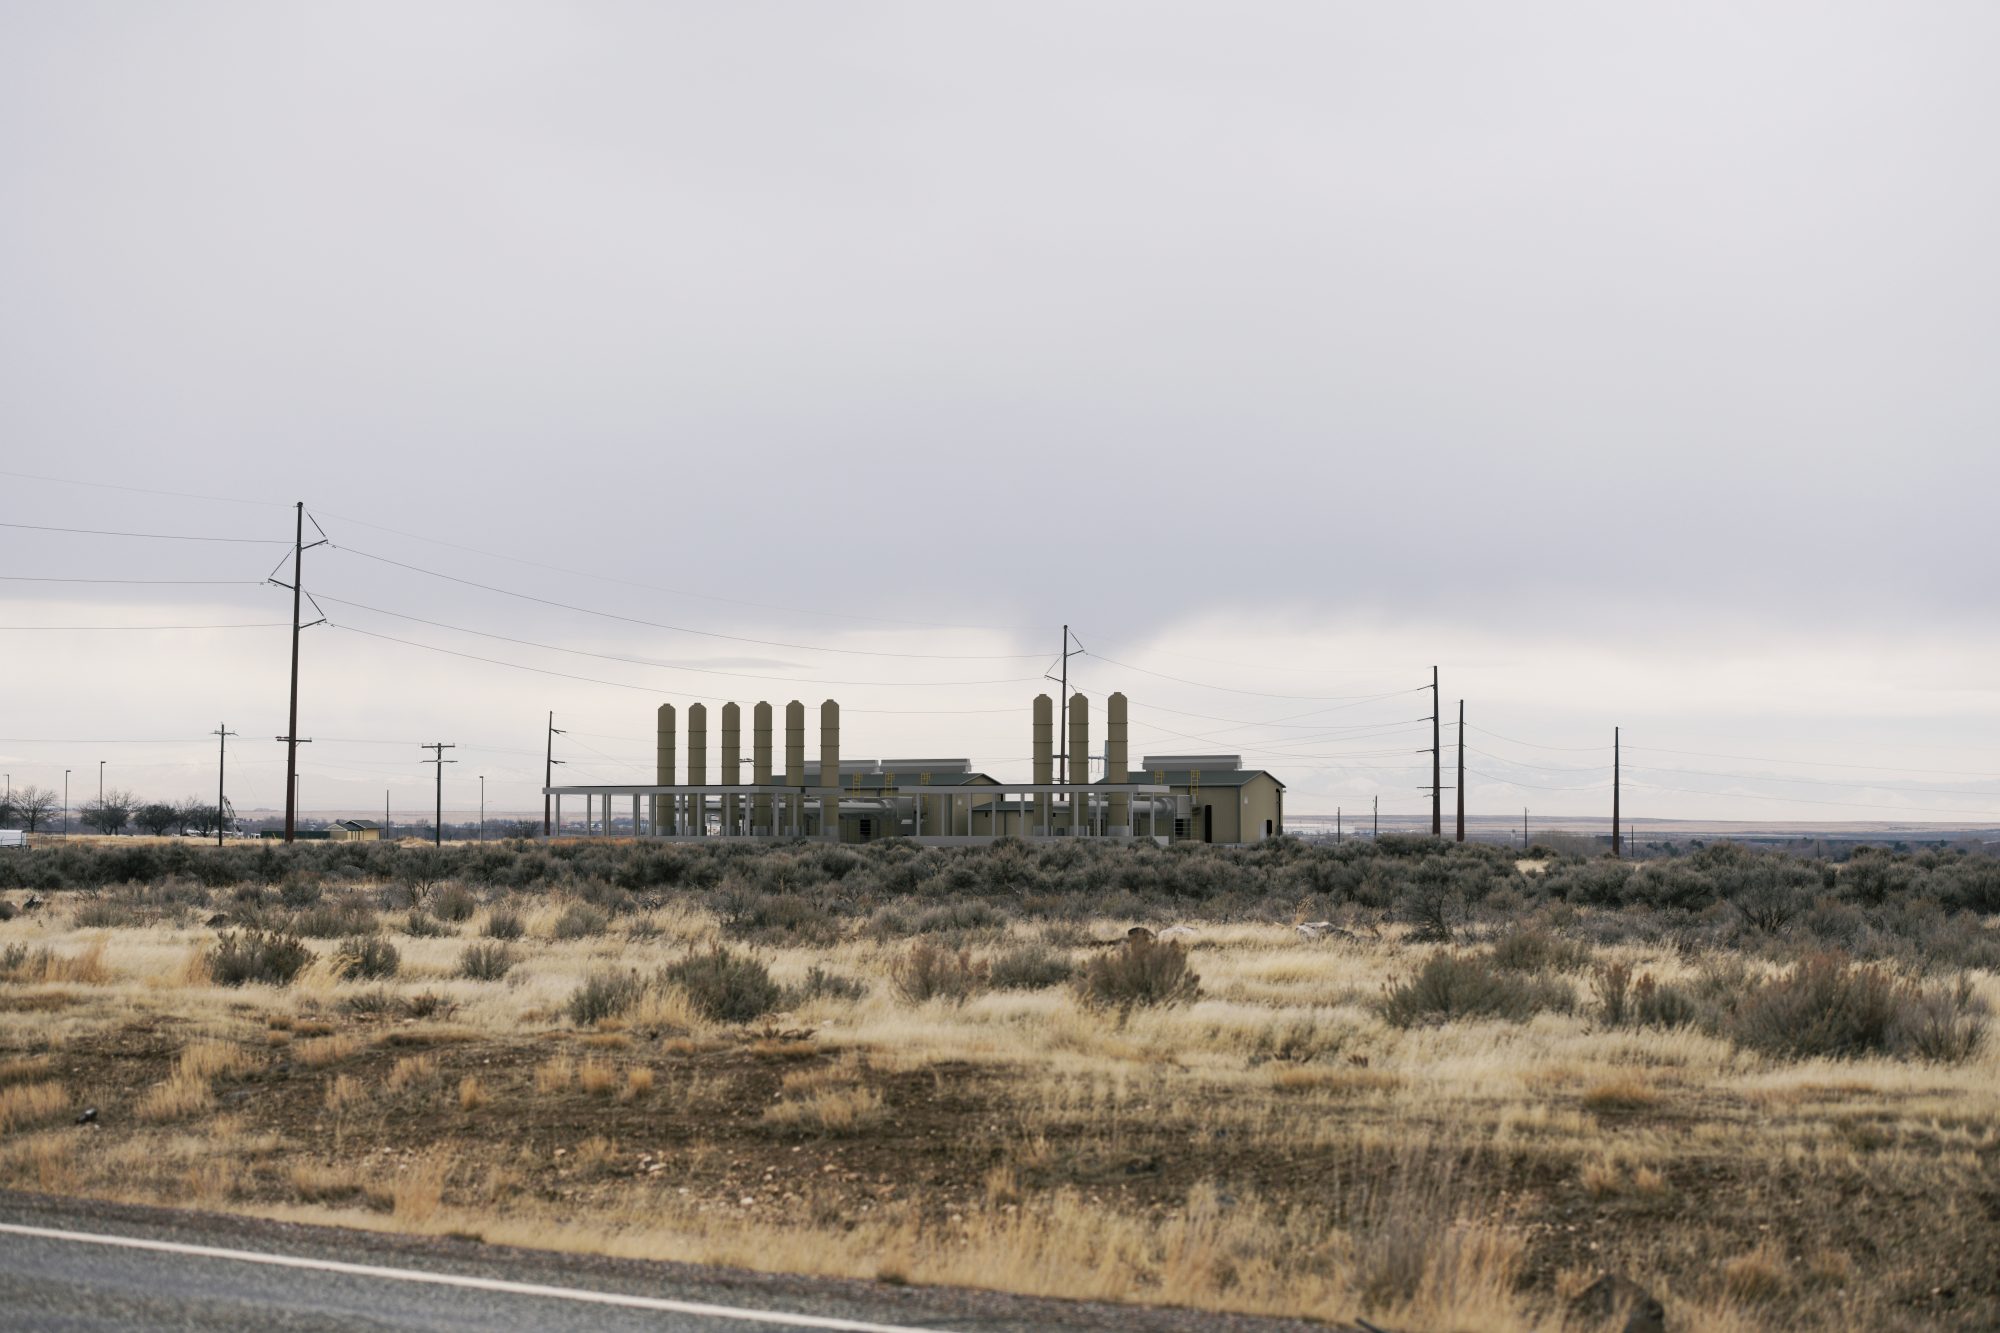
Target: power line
{"x":46,"y":629}
{"x":665,"y":666}
{"x":178,"y":583}
{"x":684,"y":629}
{"x":153,"y":536}
{"x":143,"y":490}
{"x":1262,"y":694}
{"x":1534,"y":745}
{"x":659,"y":587}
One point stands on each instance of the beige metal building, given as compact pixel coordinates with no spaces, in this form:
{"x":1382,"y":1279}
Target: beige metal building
{"x":933,"y":801}
{"x":354,"y":830}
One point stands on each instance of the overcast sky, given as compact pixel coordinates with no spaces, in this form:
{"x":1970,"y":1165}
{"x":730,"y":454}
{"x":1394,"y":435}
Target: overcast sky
{"x":1633,"y":363}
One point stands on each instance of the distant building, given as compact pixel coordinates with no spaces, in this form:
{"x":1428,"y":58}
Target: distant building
{"x":1224,"y":801}
{"x":939,"y":802}
{"x":354,"y":830}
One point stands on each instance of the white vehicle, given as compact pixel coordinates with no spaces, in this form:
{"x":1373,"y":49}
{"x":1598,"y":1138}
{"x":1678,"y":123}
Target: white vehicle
{"x":12,"y":837}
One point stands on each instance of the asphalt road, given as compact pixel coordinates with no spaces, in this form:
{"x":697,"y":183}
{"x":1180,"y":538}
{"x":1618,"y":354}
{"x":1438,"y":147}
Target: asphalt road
{"x":79,"y":1265}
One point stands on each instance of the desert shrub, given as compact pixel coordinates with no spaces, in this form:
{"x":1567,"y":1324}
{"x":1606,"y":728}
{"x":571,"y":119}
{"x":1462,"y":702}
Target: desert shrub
{"x":1031,"y":966}
{"x":604,"y":995}
{"x":1825,"y":1006}
{"x":455,"y":903}
{"x":1656,"y":1004}
{"x":485,"y":962}
{"x":503,"y":926}
{"x":960,"y":916}
{"x":335,"y":919}
{"x":377,"y":1003}
{"x":421,"y":925}
{"x":725,"y":987}
{"x":1532,"y":949}
{"x":821,"y":984}
{"x":580,"y":921}
{"x":1457,"y":985}
{"x":930,"y":971}
{"x":110,"y":914}
{"x":1612,"y":984}
{"x":1945,"y":1022}
{"x":776,"y":917}
{"x":367,"y":956}
{"x":1139,"y":972}
{"x":265,"y":957}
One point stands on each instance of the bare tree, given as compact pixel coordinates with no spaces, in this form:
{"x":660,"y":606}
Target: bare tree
{"x":201,"y":818}
{"x":157,"y":817}
{"x":109,"y":814}
{"x":33,"y":806}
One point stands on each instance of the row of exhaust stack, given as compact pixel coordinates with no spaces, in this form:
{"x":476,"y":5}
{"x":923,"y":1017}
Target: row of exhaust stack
{"x":674,"y":813}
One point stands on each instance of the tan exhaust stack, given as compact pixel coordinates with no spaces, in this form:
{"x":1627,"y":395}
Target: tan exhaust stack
{"x":760,"y":768}
{"x":829,"y":771}
{"x":697,"y":768}
{"x":795,"y":765}
{"x":1119,"y":825}
{"x":1079,"y":760}
{"x":732,"y":766}
{"x":663,"y":772}
{"x":1045,"y":758}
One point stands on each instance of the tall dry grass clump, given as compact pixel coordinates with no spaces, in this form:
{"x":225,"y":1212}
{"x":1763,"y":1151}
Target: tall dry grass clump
{"x":1139,"y":972}
{"x":25,"y":1104}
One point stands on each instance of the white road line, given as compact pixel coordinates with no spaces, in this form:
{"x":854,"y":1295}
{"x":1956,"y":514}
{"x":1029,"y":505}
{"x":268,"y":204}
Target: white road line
{"x":473,"y":1283}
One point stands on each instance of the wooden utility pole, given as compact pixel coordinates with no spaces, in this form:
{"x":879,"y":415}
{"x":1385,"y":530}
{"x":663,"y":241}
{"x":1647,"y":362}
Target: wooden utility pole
{"x":1437,"y":770}
{"x":1461,"y":770}
{"x":437,"y":831}
{"x":291,"y":738}
{"x":1617,"y":837}
{"x":1336,"y":826}
{"x":1378,"y":817}
{"x":221,"y":762}
{"x":549,"y":763}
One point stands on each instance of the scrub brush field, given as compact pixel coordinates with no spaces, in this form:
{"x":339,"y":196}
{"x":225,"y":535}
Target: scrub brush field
{"x":1423,"y":1084}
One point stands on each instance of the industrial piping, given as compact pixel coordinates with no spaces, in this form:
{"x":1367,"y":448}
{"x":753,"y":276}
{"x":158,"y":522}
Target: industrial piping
{"x":732,"y":768}
{"x":664,"y":770}
{"x":1045,"y":758}
{"x":829,"y":771}
{"x":1079,"y":761}
{"x":1119,"y":824}
{"x":697,"y":768}
{"x":760,"y":768}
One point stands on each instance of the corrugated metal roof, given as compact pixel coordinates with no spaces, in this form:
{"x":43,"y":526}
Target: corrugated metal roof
{"x":1225,"y":777}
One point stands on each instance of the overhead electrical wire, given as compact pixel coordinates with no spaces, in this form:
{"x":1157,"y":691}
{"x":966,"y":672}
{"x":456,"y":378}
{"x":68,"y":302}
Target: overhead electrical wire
{"x":1262,"y":694}
{"x":683,"y":629}
{"x":40,"y":629}
{"x":178,"y":583}
{"x":143,"y":490}
{"x":151,"y":536}
{"x":659,"y":587}
{"x":663,"y":666}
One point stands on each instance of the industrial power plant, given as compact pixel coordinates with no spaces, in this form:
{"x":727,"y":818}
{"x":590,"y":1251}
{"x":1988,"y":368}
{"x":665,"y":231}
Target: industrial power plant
{"x":938,"y":802}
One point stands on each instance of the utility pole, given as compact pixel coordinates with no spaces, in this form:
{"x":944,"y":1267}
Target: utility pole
{"x":291,"y":738}
{"x":437,"y":833}
{"x":1336,"y":826}
{"x":1461,"y":770}
{"x":1062,"y":724}
{"x":100,"y":782}
{"x":549,"y":763}
{"x":1524,"y":828}
{"x":482,"y":807}
{"x":223,"y":733}
{"x":65,"y":805}
{"x":1378,"y":817}
{"x":1437,"y":770}
{"x":1617,"y":838}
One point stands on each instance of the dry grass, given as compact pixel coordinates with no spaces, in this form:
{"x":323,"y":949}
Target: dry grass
{"x":319,"y":1052}
{"x":1271,"y":1146}
{"x":26,"y":1104}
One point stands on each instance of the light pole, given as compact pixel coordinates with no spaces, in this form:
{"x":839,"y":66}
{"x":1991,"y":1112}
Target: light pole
{"x":482,"y":807}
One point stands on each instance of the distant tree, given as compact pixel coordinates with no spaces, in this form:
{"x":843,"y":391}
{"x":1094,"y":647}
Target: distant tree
{"x":109,"y":814}
{"x":6,"y":809}
{"x":157,"y":818}
{"x":198,"y":817}
{"x":34,"y":806}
